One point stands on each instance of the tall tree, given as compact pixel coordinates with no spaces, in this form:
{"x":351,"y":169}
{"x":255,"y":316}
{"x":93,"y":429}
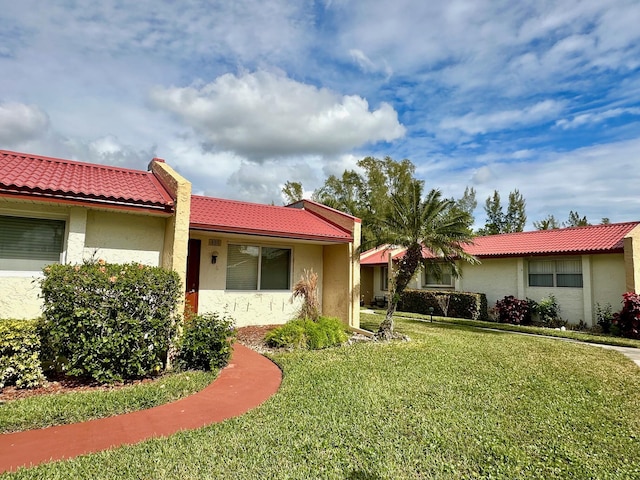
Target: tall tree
{"x":548,"y":223}
{"x":500,"y":222}
{"x":516,"y":218}
{"x":292,"y":192}
{"x":605,"y":221}
{"x":366,"y":195}
{"x":414,"y":223}
{"x":575,"y":220}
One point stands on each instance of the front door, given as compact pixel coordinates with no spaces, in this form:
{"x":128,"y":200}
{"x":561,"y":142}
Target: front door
{"x":193,"y":274}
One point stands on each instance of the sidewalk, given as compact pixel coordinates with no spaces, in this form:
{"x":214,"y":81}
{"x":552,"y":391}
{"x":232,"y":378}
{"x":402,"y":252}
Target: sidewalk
{"x":248,"y":380}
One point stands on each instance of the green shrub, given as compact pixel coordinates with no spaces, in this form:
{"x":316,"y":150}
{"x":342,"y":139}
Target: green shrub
{"x":604,"y":317}
{"x":109,"y":322}
{"x":303,"y":333}
{"x":20,"y":354}
{"x":548,"y":312}
{"x":459,"y":304}
{"x":206,"y":342}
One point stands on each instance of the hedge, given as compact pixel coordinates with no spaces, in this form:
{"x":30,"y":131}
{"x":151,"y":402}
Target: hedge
{"x":457,"y":304}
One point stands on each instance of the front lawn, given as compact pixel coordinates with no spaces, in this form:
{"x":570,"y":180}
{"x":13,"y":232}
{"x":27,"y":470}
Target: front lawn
{"x":454,"y":402}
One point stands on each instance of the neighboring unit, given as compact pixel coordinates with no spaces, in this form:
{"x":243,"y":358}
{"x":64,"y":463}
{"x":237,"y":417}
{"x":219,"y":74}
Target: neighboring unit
{"x":581,"y":267}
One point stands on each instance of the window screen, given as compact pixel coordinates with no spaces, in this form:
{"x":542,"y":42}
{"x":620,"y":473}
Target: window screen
{"x":555,"y":273}
{"x":251,"y":267}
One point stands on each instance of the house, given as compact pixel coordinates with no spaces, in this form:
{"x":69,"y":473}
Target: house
{"x":237,"y":257}
{"x":581,"y":266}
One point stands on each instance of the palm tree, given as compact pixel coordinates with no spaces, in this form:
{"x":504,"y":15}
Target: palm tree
{"x":414,"y":223}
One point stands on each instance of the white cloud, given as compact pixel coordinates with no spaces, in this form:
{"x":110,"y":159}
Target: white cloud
{"x":264,"y":115}
{"x":473,"y":123}
{"x":20,"y":123}
{"x":595,"y":117}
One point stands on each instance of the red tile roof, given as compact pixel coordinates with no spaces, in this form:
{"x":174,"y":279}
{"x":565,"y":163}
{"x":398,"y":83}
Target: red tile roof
{"x":231,"y":216}
{"x":564,"y":241}
{"x":576,"y":240}
{"x":72,"y":181}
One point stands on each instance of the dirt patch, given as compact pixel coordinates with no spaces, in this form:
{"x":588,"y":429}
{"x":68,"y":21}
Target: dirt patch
{"x":253,"y":337}
{"x":61,"y":384}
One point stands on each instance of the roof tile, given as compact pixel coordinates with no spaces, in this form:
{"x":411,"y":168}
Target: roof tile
{"x":589,"y":239}
{"x":231,"y":216}
{"x":58,"y":178}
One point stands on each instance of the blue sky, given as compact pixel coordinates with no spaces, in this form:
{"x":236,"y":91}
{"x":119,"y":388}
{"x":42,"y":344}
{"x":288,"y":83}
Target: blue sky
{"x":239,"y":97}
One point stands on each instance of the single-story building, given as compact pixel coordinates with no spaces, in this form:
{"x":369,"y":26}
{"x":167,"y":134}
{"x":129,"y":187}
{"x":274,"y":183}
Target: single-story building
{"x":238,"y":257}
{"x":581,"y":266}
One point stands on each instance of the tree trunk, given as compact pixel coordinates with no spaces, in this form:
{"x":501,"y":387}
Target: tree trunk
{"x":407,"y":266}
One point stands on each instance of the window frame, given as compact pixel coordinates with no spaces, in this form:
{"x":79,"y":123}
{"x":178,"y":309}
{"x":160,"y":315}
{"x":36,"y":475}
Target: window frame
{"x":384,"y":278}
{"x":426,"y":284}
{"x":38,"y":216}
{"x":260,"y":248}
{"x":556,"y":272}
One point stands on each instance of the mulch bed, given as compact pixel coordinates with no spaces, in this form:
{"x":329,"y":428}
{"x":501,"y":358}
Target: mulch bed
{"x":252,"y":337}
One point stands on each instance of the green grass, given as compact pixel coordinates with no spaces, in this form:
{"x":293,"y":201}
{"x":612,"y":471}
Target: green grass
{"x":550,"y":332}
{"x":454,"y":402}
{"x":58,"y":409}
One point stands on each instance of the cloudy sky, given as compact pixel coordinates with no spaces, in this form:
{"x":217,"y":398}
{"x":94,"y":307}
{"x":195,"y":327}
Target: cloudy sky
{"x":241,"y":96}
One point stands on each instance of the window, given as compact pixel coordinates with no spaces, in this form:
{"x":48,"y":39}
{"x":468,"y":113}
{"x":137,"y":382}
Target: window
{"x":251,"y":267}
{"x":555,"y":273}
{"x":384,"y":278}
{"x":438,"y":275}
{"x":29,"y":244}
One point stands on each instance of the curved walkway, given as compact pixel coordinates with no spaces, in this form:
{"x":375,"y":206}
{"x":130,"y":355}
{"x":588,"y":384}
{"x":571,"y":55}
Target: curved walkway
{"x":245,"y":383}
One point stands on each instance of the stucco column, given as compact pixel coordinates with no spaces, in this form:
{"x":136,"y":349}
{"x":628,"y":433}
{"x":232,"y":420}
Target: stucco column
{"x":521,"y":278}
{"x":176,"y":238}
{"x":587,"y":290}
{"x":76,"y":235}
{"x":632,"y":260}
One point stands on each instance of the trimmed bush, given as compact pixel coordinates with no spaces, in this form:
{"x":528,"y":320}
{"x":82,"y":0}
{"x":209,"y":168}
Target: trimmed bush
{"x":20,"y":354}
{"x":109,"y":322}
{"x":628,"y":319}
{"x":303,"y":333}
{"x":206,"y":342}
{"x":458,"y":304}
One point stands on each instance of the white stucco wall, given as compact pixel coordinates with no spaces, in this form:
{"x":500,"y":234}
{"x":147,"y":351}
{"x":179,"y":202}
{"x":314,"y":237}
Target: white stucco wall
{"x":603,"y":282}
{"x":252,"y":307}
{"x":608,"y":280}
{"x":493,"y":277}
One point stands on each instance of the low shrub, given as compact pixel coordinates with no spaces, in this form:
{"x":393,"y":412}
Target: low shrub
{"x":628,"y":319}
{"x":303,"y":333}
{"x":109,"y":322}
{"x":457,"y":304}
{"x":548,"y":312}
{"x":20,"y":354}
{"x":206,"y":342}
{"x":604,"y":317}
{"x":513,"y":310}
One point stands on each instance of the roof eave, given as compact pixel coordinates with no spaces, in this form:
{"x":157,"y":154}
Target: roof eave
{"x":268,"y":233}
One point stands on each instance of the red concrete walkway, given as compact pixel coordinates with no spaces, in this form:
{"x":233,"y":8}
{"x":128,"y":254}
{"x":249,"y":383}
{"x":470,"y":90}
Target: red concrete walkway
{"x":245,"y":383}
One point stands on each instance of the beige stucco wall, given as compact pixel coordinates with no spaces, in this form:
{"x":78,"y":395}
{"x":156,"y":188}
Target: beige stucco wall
{"x":123,"y":238}
{"x":115,"y":236}
{"x":252,"y":307}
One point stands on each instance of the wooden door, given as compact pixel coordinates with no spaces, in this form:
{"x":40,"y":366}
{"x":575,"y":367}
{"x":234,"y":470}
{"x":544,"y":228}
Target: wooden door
{"x":193,"y":274}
